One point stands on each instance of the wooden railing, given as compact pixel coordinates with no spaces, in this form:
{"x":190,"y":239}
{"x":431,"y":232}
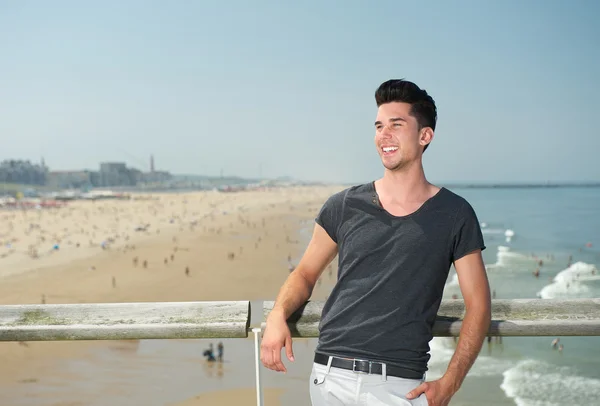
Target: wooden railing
{"x":510,"y":317}
{"x":124,"y":321}
{"x":165,"y":320}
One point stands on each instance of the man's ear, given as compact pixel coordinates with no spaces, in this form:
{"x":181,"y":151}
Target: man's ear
{"x":426,"y":136}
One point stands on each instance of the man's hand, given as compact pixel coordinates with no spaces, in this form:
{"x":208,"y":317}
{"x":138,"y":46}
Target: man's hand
{"x":438,"y":392}
{"x":277,"y":335}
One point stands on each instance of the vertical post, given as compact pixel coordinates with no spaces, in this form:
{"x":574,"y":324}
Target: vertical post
{"x":259,"y":392}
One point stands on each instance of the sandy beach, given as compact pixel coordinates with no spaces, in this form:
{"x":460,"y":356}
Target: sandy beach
{"x":160,"y":247}
{"x":240,"y":397}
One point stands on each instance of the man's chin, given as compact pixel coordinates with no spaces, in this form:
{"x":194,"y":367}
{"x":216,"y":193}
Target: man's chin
{"x":391,"y":166}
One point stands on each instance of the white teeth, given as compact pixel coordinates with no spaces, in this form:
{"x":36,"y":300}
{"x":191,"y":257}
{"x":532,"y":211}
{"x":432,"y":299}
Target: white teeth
{"x":388,"y":149}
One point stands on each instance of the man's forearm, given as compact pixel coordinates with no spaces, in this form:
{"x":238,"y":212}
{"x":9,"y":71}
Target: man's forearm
{"x":294,"y":293}
{"x":472,"y":334}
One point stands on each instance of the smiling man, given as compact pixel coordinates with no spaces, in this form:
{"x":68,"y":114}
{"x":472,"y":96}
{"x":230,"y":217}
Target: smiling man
{"x":396,"y":239}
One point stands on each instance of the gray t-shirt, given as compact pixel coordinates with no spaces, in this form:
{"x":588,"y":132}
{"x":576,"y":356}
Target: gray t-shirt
{"x":391,"y":274}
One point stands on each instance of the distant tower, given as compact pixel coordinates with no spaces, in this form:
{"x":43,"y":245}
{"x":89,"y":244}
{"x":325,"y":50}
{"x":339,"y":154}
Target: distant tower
{"x":152,"y":163}
{"x":43,"y":163}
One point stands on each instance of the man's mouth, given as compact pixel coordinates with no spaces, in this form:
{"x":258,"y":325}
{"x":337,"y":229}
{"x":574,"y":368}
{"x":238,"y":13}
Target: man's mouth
{"x":389,"y":150}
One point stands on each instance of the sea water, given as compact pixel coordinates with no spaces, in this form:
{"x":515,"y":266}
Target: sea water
{"x":561,"y":228}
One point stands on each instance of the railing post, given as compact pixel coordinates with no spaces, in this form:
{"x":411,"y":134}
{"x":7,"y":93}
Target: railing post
{"x":259,"y":391}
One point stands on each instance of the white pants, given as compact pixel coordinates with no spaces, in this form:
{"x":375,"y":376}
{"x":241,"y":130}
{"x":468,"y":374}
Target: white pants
{"x":331,"y":386}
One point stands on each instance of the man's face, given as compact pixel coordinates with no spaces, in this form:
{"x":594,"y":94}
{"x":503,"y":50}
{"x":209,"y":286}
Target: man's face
{"x":397,"y":136}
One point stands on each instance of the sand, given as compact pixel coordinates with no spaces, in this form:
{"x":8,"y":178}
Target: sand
{"x":239,"y":397}
{"x":169,"y":247}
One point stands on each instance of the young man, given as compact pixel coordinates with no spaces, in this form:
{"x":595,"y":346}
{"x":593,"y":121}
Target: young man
{"x":395,"y":239}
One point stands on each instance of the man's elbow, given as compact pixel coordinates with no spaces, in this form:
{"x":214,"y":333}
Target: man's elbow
{"x":306,"y":277}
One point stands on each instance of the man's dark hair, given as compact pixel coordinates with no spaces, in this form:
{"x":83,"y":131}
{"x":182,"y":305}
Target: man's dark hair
{"x":422,"y":105}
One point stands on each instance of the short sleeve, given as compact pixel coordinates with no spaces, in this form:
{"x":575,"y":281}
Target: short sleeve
{"x":467,"y":236}
{"x":330,"y":215}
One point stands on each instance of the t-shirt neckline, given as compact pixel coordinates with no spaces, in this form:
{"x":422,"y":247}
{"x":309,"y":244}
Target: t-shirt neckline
{"x":426,"y":203}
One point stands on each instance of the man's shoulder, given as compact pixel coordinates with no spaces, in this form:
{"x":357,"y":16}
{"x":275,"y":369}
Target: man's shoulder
{"x":455,"y":202}
{"x":453,"y":198}
{"x":351,"y":192}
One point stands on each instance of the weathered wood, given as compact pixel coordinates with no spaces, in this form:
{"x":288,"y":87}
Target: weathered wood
{"x":510,"y":317}
{"x":120,"y":321}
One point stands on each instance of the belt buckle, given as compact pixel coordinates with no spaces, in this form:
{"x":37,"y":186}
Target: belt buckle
{"x":361,"y":360}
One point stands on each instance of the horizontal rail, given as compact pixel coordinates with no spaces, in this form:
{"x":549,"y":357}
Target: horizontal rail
{"x":124,"y":321}
{"x":177,"y":320}
{"x":510,"y":317}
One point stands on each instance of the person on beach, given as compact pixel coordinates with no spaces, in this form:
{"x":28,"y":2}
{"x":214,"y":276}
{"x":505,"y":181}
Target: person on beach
{"x":396,"y":239}
{"x":220,"y":349}
{"x":210,"y":353}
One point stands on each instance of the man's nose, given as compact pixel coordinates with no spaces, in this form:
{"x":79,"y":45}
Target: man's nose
{"x":386,"y":131}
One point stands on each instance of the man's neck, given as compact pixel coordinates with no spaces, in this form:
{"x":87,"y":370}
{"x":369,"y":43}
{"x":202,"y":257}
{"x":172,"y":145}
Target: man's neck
{"x":405,"y":185}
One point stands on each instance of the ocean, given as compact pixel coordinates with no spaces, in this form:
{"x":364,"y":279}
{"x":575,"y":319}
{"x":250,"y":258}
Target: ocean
{"x":561,"y":228}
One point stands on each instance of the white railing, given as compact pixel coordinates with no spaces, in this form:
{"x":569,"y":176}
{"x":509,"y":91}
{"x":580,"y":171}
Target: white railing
{"x":180,"y":320}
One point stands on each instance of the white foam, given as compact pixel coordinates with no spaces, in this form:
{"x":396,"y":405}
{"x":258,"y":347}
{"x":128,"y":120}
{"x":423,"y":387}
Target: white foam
{"x":573,"y":282}
{"x":491,"y":231}
{"x":509,"y":234}
{"x":536,"y":383}
{"x":511,"y":256}
{"x":441,"y":351}
{"x":511,"y":260}
{"x":453,"y":281}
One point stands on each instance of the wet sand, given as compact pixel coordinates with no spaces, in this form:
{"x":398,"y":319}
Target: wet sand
{"x":240,"y":397}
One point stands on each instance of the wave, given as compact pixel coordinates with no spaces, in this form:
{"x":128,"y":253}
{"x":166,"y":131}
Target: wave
{"x":492,"y":232}
{"x":441,"y":351}
{"x":453,"y":281}
{"x":577,"y":281}
{"x":536,"y":383}
{"x":512,"y":260}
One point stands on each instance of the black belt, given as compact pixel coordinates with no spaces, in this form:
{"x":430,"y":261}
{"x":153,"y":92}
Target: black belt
{"x":369,"y":367}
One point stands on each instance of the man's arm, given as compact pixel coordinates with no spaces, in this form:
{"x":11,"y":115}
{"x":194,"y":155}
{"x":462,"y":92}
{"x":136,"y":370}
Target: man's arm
{"x":475,"y":288}
{"x":298,"y":287}
{"x":296,"y":290}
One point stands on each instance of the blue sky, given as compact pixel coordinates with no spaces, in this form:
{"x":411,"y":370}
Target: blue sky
{"x":287,"y":89}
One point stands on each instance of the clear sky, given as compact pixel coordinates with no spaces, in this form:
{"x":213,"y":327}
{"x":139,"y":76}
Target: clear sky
{"x":263,"y":87}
